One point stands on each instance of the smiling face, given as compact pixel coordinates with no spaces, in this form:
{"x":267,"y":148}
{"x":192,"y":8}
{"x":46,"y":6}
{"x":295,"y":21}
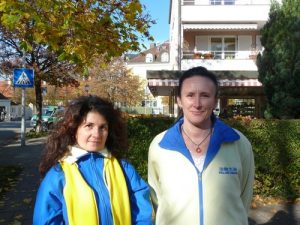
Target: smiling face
{"x":197,"y":100}
{"x":92,"y":133}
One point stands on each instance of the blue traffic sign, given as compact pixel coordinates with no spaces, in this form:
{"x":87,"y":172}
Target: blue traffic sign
{"x":23,"y":78}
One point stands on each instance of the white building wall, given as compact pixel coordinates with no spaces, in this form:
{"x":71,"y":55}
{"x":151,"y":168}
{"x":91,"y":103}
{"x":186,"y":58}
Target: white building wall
{"x":174,"y":24}
{"x":6,"y":103}
{"x":16,"y":112}
{"x":140,"y":70}
{"x":228,"y":13}
{"x":249,"y":15}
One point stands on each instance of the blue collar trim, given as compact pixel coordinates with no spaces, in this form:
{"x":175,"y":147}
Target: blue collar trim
{"x":222,"y":133}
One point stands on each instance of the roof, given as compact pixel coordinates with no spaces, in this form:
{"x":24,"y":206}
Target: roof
{"x":155,"y":49}
{"x":3,"y":97}
{"x":6,"y":89}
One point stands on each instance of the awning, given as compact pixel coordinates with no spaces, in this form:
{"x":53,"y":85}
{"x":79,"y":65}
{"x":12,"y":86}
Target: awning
{"x":222,"y":82}
{"x":220,"y":26}
{"x":221,"y":74}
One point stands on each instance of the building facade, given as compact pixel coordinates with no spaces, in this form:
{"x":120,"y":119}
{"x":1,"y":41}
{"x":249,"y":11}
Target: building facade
{"x":157,"y":58}
{"x":223,"y":36}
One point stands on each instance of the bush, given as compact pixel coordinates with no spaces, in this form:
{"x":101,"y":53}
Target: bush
{"x":141,"y":131}
{"x":276,"y":147}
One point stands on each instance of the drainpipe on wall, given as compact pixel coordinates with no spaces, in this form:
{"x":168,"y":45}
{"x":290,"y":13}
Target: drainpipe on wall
{"x":179,"y":35}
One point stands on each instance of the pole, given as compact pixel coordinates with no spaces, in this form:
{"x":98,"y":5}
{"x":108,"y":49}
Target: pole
{"x":23,"y":124}
{"x":179,"y":35}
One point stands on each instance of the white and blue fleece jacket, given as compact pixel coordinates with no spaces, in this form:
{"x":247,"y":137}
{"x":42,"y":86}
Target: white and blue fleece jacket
{"x":219,"y":195}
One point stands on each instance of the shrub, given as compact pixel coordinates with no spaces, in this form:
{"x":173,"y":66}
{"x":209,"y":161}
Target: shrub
{"x":141,"y":131}
{"x":276,"y":147}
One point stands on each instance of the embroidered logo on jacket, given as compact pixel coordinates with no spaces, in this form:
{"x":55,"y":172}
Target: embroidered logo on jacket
{"x":228,"y":170}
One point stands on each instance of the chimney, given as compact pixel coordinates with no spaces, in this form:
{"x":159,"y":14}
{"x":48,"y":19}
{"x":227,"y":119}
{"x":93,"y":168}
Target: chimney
{"x":152,"y":45}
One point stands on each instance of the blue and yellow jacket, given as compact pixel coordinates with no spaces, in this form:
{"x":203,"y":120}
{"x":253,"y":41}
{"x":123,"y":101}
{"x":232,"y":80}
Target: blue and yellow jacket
{"x":220,"y":194}
{"x":52,"y":207}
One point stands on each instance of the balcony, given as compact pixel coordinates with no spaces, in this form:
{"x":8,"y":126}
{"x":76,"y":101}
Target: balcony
{"x":230,"y":11}
{"x":226,"y":2}
{"x":220,"y":60}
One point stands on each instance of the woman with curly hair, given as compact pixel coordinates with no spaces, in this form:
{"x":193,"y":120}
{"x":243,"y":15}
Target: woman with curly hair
{"x":85,"y":177}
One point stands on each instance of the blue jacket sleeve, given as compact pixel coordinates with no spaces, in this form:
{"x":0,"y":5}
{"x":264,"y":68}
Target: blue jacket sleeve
{"x":139,"y":194}
{"x":49,"y":202}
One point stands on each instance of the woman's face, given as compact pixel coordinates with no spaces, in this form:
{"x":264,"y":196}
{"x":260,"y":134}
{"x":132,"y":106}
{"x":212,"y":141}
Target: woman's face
{"x":92,"y":133}
{"x":197,"y":100}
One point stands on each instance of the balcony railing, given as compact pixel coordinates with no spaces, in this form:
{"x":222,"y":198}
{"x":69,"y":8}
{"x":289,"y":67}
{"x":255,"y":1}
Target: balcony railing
{"x":220,"y":54}
{"x":226,"y":2}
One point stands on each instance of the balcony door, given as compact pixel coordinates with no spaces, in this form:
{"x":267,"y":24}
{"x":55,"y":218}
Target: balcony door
{"x":223,"y":47}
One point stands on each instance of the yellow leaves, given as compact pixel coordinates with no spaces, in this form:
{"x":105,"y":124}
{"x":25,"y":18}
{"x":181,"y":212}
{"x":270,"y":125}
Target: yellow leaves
{"x":27,"y":200}
{"x":135,"y":6}
{"x":26,"y":15}
{"x":19,"y":216}
{"x":260,"y":200}
{"x":52,"y":18}
{"x":16,"y":222}
{"x":38,"y":36}
{"x":10,"y":20}
{"x":2,"y":5}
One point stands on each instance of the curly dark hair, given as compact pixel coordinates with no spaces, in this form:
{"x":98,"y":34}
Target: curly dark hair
{"x":64,"y":132}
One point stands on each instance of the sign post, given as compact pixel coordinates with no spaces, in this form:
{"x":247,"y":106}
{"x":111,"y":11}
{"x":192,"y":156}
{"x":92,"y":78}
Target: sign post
{"x":23,"y":78}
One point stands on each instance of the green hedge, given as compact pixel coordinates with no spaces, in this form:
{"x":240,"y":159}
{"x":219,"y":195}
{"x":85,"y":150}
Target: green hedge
{"x":276,"y":146}
{"x":141,"y":131}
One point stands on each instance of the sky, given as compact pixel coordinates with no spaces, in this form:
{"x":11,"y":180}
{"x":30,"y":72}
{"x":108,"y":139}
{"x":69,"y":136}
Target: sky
{"x":159,"y":11}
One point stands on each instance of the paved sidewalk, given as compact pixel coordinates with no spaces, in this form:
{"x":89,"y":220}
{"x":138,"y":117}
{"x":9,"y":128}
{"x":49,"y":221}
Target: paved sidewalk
{"x":16,"y":206}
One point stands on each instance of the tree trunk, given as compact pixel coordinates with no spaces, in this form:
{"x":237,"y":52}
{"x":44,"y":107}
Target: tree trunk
{"x":39,"y":103}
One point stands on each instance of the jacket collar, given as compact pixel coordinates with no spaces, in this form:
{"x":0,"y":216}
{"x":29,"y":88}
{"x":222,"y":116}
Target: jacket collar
{"x":75,"y":153}
{"x":222,"y":133}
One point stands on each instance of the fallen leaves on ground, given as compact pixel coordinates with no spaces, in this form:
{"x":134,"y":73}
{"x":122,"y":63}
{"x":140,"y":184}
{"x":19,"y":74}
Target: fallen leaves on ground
{"x":20,"y":216}
{"x":260,"y":200}
{"x":27,"y":200}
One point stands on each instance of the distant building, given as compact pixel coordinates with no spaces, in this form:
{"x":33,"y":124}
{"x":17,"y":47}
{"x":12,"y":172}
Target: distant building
{"x":157,"y":57}
{"x":13,"y":111}
{"x":223,"y":36}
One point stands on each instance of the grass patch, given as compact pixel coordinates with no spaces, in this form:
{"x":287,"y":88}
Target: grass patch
{"x":8,"y":178}
{"x":33,"y":134}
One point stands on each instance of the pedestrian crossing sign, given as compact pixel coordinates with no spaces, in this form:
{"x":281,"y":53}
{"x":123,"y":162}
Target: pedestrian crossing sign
{"x":23,"y":78}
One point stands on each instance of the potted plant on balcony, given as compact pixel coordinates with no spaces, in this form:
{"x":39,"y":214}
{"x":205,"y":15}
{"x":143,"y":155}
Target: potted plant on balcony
{"x":208,"y":55}
{"x":197,"y":55}
{"x":253,"y":53}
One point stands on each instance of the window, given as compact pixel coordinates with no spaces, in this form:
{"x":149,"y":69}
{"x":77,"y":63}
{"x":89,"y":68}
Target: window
{"x":222,"y":2}
{"x":229,"y":2}
{"x":223,"y":47}
{"x":149,"y":103}
{"x":215,"y":2}
{"x":165,"y":57}
{"x":188,"y":2}
{"x":243,"y":107}
{"x":149,"y":58}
